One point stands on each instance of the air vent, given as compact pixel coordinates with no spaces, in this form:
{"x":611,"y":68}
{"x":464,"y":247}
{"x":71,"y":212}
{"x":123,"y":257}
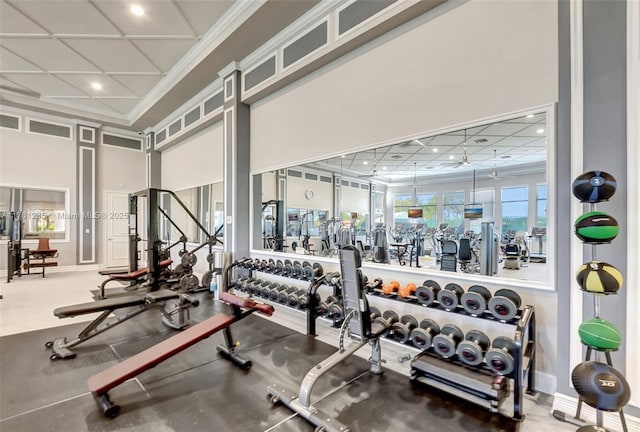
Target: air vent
{"x":260,"y":73}
{"x":304,"y":46}
{"x":175,"y":127}
{"x":359,"y":11}
{"x":396,"y":157}
{"x":481,"y":140}
{"x":355,"y":185}
{"x":9,"y":122}
{"x":325,"y":179}
{"x":213,"y":103}
{"x":161,"y":136}
{"x":364,"y":186}
{"x":192,"y":116}
{"x":345,"y":183}
{"x":309,"y":176}
{"x":294,"y":173}
{"x":120,"y":141}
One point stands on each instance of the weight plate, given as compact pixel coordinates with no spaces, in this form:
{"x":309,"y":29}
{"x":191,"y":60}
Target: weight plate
{"x":303,"y":301}
{"x":336,"y":312}
{"x":189,"y":283}
{"x":484,"y":292}
{"x":409,"y":321}
{"x":455,"y":288}
{"x":420,"y":338}
{"x":317,"y":269}
{"x":283,"y":296}
{"x":473,"y":303}
{"x":306,"y":263}
{"x":453,"y":331}
{"x":274,"y":294}
{"x":479,"y":338}
{"x":502,"y":308}
{"x":288,"y":269}
{"x":182,"y":252}
{"x":500,"y":362}
{"x":469,"y":353}
{"x":400,"y":333}
{"x":264,"y":264}
{"x":390,"y":316}
{"x":448,"y":299}
{"x":293,"y":299}
{"x":444,"y":346}
{"x":332,"y":299}
{"x":511,"y":295}
{"x":504,"y":343}
{"x":430,"y":326}
{"x":297,"y":269}
{"x":432,"y":284}
{"x":426,"y":295}
{"x":210,"y":258}
{"x":375,"y":312}
{"x":272,"y":264}
{"x":206,"y":278}
{"x":179,"y":270}
{"x":307,"y":272}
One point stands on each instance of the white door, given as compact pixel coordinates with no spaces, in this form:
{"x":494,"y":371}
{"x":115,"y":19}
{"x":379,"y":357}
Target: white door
{"x":117,"y":230}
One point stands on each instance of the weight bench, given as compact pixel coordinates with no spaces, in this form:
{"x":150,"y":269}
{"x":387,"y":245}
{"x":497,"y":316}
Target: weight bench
{"x":134,"y":278}
{"x":100,"y":384}
{"x":136,"y":304}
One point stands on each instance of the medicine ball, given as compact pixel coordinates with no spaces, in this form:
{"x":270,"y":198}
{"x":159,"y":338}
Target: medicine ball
{"x":600,"y":334}
{"x":596,"y":227}
{"x":599,"y":277}
{"x":600,"y":386}
{"x":594,"y":186}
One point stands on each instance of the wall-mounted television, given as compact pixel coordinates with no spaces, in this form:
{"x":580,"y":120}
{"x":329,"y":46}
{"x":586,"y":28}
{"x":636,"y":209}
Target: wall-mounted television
{"x":473,"y":211}
{"x":415,"y":213}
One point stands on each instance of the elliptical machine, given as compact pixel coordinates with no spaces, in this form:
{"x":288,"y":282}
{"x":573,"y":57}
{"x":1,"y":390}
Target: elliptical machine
{"x":357,"y":330}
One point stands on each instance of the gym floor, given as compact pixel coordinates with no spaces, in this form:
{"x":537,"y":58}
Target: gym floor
{"x":198,"y":391}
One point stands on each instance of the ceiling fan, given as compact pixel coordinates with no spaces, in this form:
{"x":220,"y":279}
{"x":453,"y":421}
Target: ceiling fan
{"x":494,"y":174}
{"x":465,"y":156}
{"x":374,"y":172}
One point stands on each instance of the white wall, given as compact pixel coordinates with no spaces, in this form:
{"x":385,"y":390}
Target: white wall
{"x":477,"y":60}
{"x":354,"y":200}
{"x":41,"y":161}
{"x":194,"y":162}
{"x":322,"y":195}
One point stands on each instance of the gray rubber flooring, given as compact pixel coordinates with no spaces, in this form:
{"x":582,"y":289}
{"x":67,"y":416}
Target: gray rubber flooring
{"x":198,"y":391}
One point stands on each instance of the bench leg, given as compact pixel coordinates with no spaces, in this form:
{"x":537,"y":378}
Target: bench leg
{"x":108,"y":408}
{"x":227,"y":351}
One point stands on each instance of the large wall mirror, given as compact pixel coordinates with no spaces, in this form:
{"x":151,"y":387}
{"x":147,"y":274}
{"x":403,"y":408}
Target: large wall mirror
{"x":205,"y":203}
{"x":472,"y":200}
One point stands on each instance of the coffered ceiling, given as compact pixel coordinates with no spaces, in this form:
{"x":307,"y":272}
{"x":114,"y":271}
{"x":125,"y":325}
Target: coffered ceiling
{"x":100,"y":59}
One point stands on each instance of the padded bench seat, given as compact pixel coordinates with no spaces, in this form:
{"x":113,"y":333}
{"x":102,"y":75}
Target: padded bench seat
{"x":101,"y":383}
{"x":43,"y":264}
{"x":98,"y":306}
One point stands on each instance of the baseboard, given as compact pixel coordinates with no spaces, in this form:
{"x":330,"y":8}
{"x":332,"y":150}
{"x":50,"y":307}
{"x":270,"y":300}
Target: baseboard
{"x":61,"y":269}
{"x":568,"y":405}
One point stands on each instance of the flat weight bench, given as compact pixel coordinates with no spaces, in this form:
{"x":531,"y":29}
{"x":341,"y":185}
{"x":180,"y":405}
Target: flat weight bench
{"x":100,"y":384}
{"x":134,"y":278}
{"x":138,"y":304}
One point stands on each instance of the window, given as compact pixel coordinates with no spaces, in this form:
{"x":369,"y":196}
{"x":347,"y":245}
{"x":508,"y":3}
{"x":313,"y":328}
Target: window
{"x":541,"y":205}
{"x":425,"y":201}
{"x":43,"y":212}
{"x":453,"y":208}
{"x":515,"y":209}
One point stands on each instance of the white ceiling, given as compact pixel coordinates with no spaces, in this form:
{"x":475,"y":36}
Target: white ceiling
{"x":493,"y":147}
{"x":55,"y":49}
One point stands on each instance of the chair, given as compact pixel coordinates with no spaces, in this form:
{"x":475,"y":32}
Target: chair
{"x":42,"y":255}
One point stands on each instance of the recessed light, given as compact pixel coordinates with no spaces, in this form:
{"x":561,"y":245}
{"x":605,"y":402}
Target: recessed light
{"x":384,"y":168}
{"x":540,"y":131}
{"x":136,"y":10}
{"x":96,"y":85}
{"x":342,"y":156}
{"x":451,"y":157}
{"x":365,"y":163}
{"x":529,"y":115}
{"x":435,"y":150}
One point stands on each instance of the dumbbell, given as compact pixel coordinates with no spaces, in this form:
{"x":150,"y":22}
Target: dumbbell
{"x":504,"y":304}
{"x":283,"y":294}
{"x":422,"y":336}
{"x":427,"y":292}
{"x":388,"y":318}
{"x":376,"y":284}
{"x":271,"y":265}
{"x":407,"y":290}
{"x":401,"y":330}
{"x":476,"y":299}
{"x":279,"y":267}
{"x":264,"y":289}
{"x":447,"y":340}
{"x":500,"y":357}
{"x":249,"y":285}
{"x":264,"y":265}
{"x":391,"y":287}
{"x":288,"y":268}
{"x":449,"y":297}
{"x":323,"y":305}
{"x":274,"y":292}
{"x":317,"y":270}
{"x":297,"y":270}
{"x":471,"y":350}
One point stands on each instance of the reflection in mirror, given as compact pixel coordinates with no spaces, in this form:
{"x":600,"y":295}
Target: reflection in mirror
{"x":473,"y":200}
{"x":205,"y":203}
{"x":43,"y":212}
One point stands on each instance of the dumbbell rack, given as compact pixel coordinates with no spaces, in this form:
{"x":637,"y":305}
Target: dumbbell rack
{"x":480,"y":384}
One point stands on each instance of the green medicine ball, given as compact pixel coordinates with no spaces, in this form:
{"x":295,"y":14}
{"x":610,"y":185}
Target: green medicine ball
{"x":599,"y":277}
{"x":596,"y":227}
{"x":600,"y":334}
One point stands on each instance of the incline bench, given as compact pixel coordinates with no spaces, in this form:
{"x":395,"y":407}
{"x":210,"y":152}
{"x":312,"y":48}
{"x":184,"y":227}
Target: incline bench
{"x":134,"y":278}
{"x":136,"y":303}
{"x":100,"y":384}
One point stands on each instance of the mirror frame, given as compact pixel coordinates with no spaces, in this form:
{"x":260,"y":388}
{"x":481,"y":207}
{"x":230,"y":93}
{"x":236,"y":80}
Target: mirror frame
{"x":548,"y":285}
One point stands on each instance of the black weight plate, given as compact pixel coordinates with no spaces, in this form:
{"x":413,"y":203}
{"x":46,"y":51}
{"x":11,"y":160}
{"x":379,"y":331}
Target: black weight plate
{"x":455,"y":288}
{"x":473,"y":303}
{"x":317,"y":269}
{"x":511,"y":295}
{"x":432,"y":284}
{"x":504,"y":343}
{"x":444,"y":346}
{"x":210,"y":258}
{"x":306,"y":263}
{"x":400,"y":333}
{"x":483,"y":291}
{"x":426,"y":295}
{"x":283,"y":296}
{"x":279,"y":266}
{"x":307,"y":272}
{"x":500,"y":362}
{"x":453,"y":331}
{"x":288,"y":269}
{"x":274,"y":294}
{"x":179,"y":269}
{"x":375,"y":312}
{"x":430,"y":325}
{"x":469,"y":353}
{"x":420,"y":338}
{"x":297,"y":269}
{"x":264,"y":264}
{"x":293,"y":299}
{"x":409,"y":321}
{"x":448,"y":299}
{"x":502,"y":308}
{"x":478,"y":337}
{"x":332,"y":299}
{"x":336,"y":312}
{"x":182,"y":252}
{"x":303,"y":301}
{"x":390,"y":316}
